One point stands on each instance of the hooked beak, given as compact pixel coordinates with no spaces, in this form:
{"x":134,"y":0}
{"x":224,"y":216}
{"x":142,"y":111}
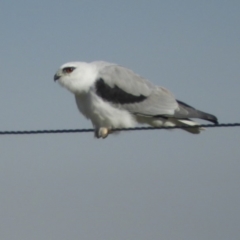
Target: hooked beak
{"x":56,"y":77}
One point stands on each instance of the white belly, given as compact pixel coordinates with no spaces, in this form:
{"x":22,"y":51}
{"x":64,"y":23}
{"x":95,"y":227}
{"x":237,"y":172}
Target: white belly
{"x":102,"y":114}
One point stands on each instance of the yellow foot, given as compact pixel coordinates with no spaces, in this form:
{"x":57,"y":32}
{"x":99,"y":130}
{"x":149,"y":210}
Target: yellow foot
{"x":102,"y":132}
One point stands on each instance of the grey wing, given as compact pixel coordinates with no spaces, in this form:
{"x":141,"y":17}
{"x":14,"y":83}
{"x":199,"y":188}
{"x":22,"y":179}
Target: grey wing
{"x":127,"y":90}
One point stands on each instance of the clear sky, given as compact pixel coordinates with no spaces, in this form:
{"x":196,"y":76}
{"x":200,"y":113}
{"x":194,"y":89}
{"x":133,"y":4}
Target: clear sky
{"x":137,"y":185}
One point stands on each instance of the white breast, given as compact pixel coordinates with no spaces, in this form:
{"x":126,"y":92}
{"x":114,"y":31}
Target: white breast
{"x":103,"y":114}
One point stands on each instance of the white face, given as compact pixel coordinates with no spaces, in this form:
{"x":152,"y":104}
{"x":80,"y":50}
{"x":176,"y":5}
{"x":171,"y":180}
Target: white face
{"x":77,"y":77}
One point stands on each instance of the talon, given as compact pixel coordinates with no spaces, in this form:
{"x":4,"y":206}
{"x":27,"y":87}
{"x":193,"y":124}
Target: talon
{"x":102,"y":132}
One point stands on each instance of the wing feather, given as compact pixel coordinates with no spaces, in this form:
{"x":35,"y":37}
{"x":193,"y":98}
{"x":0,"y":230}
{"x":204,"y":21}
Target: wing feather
{"x":155,"y":100}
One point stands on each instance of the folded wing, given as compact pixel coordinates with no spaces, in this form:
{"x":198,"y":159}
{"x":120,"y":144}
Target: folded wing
{"x":124,"y":89}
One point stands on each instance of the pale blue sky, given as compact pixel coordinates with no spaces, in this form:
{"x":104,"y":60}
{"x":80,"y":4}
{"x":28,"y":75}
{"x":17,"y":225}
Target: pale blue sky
{"x":137,"y":185}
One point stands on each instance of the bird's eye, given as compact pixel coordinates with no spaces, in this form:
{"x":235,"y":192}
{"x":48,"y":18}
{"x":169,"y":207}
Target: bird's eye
{"x":68,"y":69}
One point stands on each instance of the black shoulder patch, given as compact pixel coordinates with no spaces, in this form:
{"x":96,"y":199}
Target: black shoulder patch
{"x":115,"y":94}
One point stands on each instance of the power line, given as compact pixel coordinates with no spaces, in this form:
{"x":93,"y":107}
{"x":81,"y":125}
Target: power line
{"x":118,"y":129}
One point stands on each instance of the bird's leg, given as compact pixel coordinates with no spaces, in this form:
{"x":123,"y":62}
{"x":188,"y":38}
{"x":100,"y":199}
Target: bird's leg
{"x":102,"y":132}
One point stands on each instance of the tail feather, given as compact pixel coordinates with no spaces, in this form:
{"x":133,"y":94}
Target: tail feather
{"x":188,"y":122}
{"x":171,"y":122}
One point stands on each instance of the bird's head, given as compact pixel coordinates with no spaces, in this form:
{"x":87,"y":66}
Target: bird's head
{"x":77,"y":77}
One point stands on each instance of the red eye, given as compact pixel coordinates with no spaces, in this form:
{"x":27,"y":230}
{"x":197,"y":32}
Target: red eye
{"x":68,"y":69}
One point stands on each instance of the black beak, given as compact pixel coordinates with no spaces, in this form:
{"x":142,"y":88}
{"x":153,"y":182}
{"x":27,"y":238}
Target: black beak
{"x":56,"y":77}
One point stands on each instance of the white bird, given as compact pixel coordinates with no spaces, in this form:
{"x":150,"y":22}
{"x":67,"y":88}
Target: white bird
{"x":112,"y":96}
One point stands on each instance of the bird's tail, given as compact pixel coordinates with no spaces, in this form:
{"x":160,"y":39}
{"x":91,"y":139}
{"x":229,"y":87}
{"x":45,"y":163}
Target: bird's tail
{"x":194,"y":126}
{"x":172,"y":122}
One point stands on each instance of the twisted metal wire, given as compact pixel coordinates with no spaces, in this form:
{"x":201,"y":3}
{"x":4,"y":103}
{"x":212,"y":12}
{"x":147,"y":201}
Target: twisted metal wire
{"x":117,"y":129}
